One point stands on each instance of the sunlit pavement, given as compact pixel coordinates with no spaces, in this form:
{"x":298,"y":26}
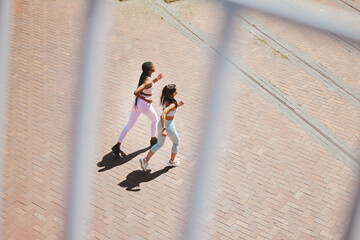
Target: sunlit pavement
{"x":277,"y":178}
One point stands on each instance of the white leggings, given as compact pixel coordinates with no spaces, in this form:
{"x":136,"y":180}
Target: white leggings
{"x":141,"y":107}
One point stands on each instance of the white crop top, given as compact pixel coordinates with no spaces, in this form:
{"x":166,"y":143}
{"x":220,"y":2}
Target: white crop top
{"x":150,"y":89}
{"x":171,"y":113}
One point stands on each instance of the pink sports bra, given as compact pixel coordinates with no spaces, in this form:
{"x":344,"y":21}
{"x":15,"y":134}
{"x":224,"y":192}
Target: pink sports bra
{"x":148,"y":91}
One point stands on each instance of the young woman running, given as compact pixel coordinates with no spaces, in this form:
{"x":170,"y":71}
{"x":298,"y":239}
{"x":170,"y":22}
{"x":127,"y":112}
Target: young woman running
{"x":166,"y":126}
{"x":142,"y":104}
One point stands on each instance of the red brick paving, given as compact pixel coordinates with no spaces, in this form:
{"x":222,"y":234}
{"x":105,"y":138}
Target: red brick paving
{"x":320,"y":101}
{"x":275,"y":183}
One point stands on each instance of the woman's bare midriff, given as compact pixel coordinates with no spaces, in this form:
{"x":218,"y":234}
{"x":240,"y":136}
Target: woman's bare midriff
{"x":169,"y":117}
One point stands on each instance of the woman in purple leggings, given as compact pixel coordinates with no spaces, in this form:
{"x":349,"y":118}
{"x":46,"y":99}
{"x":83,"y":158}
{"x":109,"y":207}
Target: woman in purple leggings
{"x":142,"y":104}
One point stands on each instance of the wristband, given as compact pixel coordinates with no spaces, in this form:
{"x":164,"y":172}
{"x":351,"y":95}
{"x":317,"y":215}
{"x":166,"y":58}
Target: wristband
{"x":164,"y":129}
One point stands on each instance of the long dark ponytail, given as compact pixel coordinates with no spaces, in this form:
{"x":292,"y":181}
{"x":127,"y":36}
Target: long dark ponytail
{"x":145,"y":73}
{"x":167,"y":95}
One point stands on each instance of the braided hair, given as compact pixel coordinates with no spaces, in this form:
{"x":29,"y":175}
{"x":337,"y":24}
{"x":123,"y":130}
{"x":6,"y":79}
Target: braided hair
{"x":145,"y":73}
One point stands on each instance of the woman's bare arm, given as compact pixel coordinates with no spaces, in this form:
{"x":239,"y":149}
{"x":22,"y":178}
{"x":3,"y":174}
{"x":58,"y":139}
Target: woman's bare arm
{"x":160,"y":76}
{"x":168,"y":109}
{"x":147,"y":83}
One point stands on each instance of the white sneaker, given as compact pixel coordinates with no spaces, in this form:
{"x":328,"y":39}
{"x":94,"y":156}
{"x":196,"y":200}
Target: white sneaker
{"x":174,"y":163}
{"x":143,"y":163}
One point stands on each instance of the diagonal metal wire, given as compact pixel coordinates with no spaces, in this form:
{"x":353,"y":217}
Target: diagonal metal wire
{"x":309,"y":13}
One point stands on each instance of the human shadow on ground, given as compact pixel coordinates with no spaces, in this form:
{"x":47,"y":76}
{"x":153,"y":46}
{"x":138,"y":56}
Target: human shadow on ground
{"x":110,"y":160}
{"x":136,"y":177}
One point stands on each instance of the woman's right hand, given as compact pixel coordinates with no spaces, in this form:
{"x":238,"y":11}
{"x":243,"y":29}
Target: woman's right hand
{"x":163,"y":132}
{"x":181,"y":103}
{"x":148,"y":100}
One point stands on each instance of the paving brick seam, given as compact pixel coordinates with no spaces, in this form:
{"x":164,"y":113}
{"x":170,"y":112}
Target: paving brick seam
{"x":318,"y":71}
{"x":331,"y":141}
{"x":348,"y":5}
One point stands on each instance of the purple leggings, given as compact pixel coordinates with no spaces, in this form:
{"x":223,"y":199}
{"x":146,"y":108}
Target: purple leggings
{"x":145,"y":108}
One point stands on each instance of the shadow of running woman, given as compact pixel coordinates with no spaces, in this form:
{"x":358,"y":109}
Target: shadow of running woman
{"x":136,"y":177}
{"x":110,"y":160}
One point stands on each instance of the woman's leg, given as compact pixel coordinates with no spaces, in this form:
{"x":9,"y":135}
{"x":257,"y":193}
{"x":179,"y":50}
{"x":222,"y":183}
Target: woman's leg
{"x":132,"y":119}
{"x":158,"y":145}
{"x":134,"y":115}
{"x":161,"y":140}
{"x":174,"y":137}
{"x":149,"y":111}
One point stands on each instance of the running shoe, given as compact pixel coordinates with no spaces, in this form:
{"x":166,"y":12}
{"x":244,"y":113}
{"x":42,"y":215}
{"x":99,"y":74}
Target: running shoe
{"x":174,"y":163}
{"x":143,"y":163}
{"x":116,"y":150}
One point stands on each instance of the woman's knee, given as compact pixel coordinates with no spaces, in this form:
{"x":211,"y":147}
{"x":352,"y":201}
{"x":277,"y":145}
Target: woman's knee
{"x":175,"y":148}
{"x":160,"y":143}
{"x":129,"y":125}
{"x":157,"y":146}
{"x":155,"y":119}
{"x":177,"y":140}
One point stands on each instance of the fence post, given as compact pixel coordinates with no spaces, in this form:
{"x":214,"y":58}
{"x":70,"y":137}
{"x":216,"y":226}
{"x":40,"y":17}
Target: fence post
{"x":5,"y":48}
{"x":217,"y":103}
{"x":88,"y":105}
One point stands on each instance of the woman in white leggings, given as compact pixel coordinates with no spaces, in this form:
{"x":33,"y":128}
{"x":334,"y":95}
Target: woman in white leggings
{"x":142,"y":104}
{"x":166,"y":127}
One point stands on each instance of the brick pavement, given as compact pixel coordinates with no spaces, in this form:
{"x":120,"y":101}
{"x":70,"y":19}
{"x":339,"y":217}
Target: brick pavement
{"x":319,"y":100}
{"x":277,"y":182}
{"x":312,"y":95}
{"x":45,"y":60}
{"x":320,"y":47}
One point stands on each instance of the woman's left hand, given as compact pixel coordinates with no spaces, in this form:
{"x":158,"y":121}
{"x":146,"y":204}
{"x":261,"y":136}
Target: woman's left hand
{"x":160,"y":76}
{"x":163,"y":132}
{"x":148,"y":100}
